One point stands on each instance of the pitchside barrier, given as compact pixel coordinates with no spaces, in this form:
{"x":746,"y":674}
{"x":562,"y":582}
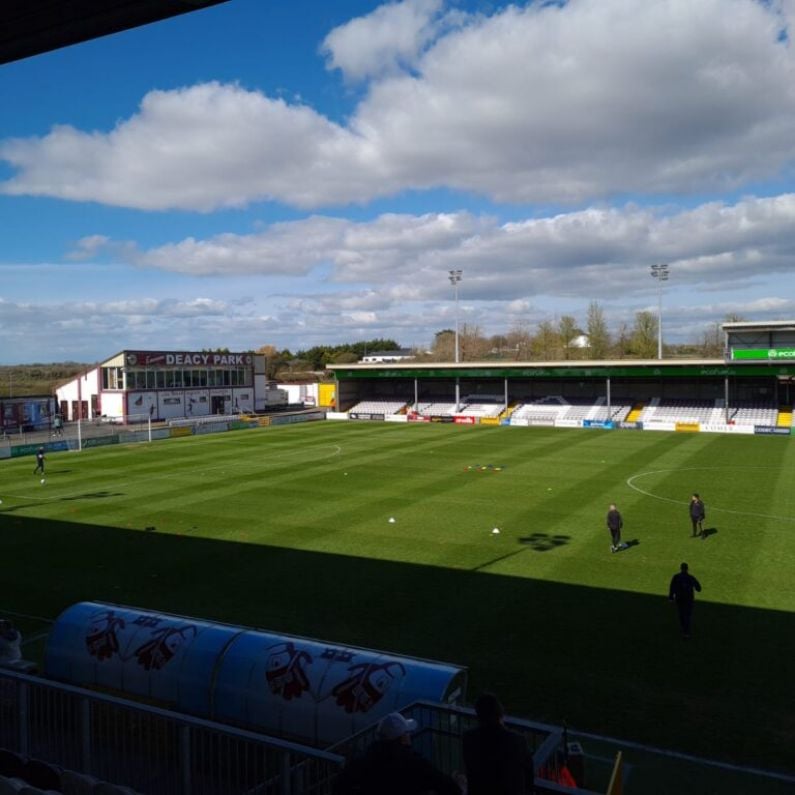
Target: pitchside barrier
{"x":85,"y":434}
{"x":552,"y":422}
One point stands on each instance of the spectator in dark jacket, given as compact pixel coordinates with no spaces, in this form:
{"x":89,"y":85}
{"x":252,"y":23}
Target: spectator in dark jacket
{"x":390,"y":767}
{"x":497,"y":760}
{"x":681,"y":590}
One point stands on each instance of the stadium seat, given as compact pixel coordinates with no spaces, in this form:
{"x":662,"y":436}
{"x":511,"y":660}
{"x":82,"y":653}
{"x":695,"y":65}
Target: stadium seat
{"x":77,"y":783}
{"x":11,"y":786}
{"x":104,"y":788}
{"x":11,"y":764}
{"x":41,"y":774}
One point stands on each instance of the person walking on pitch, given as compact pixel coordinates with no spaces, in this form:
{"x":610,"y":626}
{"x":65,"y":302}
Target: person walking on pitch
{"x":39,"y":461}
{"x":697,"y":515}
{"x":614,"y":524}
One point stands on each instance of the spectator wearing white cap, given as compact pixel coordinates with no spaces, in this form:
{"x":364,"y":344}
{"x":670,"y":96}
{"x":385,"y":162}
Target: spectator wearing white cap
{"x":390,"y":766}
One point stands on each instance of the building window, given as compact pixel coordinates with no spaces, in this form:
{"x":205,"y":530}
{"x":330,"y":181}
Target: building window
{"x":112,"y":378}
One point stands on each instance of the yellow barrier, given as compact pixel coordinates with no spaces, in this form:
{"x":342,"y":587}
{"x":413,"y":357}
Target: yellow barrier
{"x":616,"y":785}
{"x":264,"y":422}
{"x":489,"y":420}
{"x":635,"y":413}
{"x":182,"y":430}
{"x":326,"y":395}
{"x":688,"y":427}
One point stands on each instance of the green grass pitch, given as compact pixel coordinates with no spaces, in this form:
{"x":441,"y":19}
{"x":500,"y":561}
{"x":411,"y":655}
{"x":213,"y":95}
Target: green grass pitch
{"x":289,"y":529}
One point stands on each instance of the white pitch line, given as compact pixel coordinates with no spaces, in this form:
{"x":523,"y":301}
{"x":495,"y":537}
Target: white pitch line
{"x":631,"y":484}
{"x":754,"y":771}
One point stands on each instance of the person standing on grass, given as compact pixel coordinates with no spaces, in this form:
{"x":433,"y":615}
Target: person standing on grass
{"x":39,"y":461}
{"x":697,"y":515}
{"x":614,"y":524}
{"x":682,"y":591}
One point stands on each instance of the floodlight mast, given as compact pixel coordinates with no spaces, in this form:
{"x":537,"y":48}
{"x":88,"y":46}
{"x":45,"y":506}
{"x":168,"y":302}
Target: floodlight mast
{"x":659,"y":272}
{"x":455,"y":279}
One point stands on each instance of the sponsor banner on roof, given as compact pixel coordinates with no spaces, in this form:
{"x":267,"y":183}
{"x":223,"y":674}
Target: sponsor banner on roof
{"x":186,"y":359}
{"x":765,"y":354}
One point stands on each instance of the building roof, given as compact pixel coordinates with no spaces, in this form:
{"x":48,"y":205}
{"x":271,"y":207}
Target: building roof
{"x":31,"y":27}
{"x":770,"y":325}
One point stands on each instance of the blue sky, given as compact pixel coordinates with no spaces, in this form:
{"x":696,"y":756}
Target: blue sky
{"x":304,"y":173}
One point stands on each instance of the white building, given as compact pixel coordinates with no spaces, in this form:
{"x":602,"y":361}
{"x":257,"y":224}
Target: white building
{"x":166,"y":384}
{"x":381,"y":357}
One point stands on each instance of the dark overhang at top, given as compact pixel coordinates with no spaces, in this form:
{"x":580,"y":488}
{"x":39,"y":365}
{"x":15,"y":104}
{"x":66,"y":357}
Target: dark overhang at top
{"x":31,"y":27}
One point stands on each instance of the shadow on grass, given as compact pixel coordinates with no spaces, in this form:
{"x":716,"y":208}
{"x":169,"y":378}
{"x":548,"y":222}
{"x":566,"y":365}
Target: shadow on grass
{"x":708,"y":531}
{"x":88,"y":495}
{"x":607,"y":661}
{"x":543,"y":542}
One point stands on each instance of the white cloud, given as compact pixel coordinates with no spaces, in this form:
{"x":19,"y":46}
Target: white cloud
{"x":588,"y":99}
{"x":585,"y":253}
{"x":390,"y":38}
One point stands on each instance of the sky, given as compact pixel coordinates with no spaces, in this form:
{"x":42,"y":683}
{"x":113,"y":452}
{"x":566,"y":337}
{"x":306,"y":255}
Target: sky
{"x":308,"y":172}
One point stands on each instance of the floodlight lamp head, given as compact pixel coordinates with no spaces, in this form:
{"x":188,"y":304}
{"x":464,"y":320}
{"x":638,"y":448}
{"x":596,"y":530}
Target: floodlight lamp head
{"x":455,"y":276}
{"x":660,"y":272}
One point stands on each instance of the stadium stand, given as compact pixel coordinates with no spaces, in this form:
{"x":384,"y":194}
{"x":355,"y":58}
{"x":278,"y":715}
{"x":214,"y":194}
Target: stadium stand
{"x":678,"y":410}
{"x":378,"y":407}
{"x":546,"y":409}
{"x":556,"y":407}
{"x":753,"y":413}
{"x":482,"y":406}
{"x":435,"y":409}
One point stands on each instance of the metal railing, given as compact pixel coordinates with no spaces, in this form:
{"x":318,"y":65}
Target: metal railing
{"x":438,"y":738}
{"x":154,"y":751}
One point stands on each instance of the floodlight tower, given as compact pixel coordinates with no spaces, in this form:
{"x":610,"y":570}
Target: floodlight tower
{"x":455,"y":279}
{"x":659,"y":272}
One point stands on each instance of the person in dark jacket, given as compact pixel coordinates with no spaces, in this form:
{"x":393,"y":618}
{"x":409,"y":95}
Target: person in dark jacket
{"x":497,"y":760}
{"x":698,"y":513}
{"x":614,"y":524}
{"x":390,"y":767}
{"x":681,"y":591}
